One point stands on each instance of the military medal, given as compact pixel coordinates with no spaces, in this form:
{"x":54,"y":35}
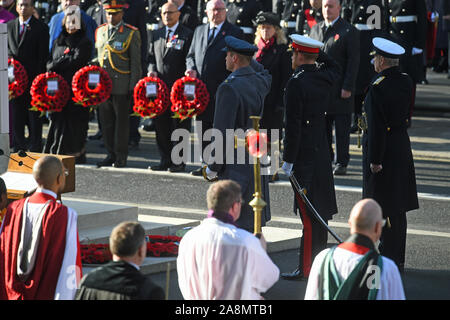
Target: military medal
{"x":118,"y":45}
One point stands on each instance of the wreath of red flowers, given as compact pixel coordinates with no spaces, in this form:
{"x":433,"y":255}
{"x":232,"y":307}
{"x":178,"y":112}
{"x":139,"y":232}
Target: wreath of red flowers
{"x":20,"y":83}
{"x":41,"y":100}
{"x":184,"y":108}
{"x":86,"y":96}
{"x":157,"y":246}
{"x":149,"y":107}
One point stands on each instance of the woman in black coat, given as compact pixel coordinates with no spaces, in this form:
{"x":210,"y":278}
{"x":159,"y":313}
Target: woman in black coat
{"x":70,"y":52}
{"x":273,"y":55}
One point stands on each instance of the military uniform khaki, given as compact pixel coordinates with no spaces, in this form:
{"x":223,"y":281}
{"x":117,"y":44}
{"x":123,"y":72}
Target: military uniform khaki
{"x":119,"y":53}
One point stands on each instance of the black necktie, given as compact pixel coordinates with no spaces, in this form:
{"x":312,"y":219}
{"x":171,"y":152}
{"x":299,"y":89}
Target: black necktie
{"x":169,"y":32}
{"x":211,"y":36}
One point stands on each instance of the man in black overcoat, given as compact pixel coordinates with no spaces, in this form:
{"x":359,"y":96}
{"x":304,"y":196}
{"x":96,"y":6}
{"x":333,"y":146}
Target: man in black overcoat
{"x":307,"y":95}
{"x":388,"y":166}
{"x":341,"y":41}
{"x":167,"y":60}
{"x":28,"y":40}
{"x":206,"y":60}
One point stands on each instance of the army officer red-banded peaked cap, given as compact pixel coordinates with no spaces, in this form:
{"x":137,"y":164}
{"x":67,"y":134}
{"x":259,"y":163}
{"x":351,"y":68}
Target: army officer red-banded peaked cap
{"x":305,"y":44}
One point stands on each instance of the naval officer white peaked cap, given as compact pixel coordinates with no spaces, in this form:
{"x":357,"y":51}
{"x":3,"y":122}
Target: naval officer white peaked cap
{"x":387,"y":48}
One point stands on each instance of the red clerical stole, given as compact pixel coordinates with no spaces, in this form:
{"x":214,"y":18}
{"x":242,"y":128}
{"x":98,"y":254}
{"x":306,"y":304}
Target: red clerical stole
{"x":42,"y":281}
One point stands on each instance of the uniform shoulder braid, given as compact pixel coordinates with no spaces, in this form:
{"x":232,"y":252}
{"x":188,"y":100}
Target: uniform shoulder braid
{"x":378,"y":80}
{"x":130,"y":26}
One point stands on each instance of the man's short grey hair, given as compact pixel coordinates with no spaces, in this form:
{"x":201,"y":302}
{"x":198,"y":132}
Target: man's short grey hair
{"x":390,"y":62}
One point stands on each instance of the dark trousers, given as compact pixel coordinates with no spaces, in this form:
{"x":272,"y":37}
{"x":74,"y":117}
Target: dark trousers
{"x":114,"y":117}
{"x":313,"y":240}
{"x":342,"y":123}
{"x":205,"y":126}
{"x":135,"y":121}
{"x":21,"y":117}
{"x":393,"y":239}
{"x":164,"y":126}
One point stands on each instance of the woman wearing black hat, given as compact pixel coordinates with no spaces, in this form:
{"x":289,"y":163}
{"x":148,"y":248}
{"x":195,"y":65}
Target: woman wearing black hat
{"x":273,"y":55}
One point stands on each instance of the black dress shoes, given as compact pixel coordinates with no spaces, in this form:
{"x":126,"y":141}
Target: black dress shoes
{"x":296,"y":275}
{"x":120,"y":164}
{"x":159,"y":167}
{"x":177,"y":168}
{"x":197,"y":172}
{"x":340,"y":170}
{"x":106,"y":162}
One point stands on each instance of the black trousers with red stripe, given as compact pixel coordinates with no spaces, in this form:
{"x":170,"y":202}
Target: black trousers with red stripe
{"x":313,"y":240}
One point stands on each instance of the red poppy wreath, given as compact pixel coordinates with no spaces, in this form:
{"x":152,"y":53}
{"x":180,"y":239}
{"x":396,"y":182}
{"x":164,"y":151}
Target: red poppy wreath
{"x":18,"y":81}
{"x":49,"y":92}
{"x":189,"y":97}
{"x":91,"y":85}
{"x":151,"y":97}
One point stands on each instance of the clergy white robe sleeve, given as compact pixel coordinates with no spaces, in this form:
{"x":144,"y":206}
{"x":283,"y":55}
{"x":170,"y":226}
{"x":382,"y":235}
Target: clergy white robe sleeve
{"x":70,"y":272}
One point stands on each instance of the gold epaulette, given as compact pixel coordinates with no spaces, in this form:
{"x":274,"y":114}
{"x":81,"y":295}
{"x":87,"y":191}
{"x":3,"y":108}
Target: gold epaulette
{"x":378,"y":81}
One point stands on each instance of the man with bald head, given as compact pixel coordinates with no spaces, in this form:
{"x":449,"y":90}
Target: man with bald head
{"x":354,"y":269}
{"x":39,"y":241}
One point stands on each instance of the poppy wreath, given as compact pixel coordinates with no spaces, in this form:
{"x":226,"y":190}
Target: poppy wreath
{"x":162,"y":246}
{"x":157,"y":246}
{"x":148,"y":107}
{"x":41,"y":101}
{"x":86,"y":96}
{"x":20,"y":83}
{"x":95,"y":253}
{"x":184,"y":108}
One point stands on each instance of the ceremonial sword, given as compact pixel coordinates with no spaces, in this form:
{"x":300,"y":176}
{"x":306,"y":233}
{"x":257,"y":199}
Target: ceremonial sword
{"x":299,"y":191}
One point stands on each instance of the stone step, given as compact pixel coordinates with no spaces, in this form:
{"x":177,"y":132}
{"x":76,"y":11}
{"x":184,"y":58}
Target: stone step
{"x":96,"y":214}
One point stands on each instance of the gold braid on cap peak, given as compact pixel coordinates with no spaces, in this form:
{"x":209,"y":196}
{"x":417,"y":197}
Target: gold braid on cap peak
{"x":118,"y":53}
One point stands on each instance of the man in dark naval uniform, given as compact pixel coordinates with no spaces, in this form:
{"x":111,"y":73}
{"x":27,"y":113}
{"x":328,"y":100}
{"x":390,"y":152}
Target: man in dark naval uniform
{"x":407,"y":25}
{"x":288,"y":11}
{"x":240,"y":96}
{"x":307,"y":95}
{"x":241,"y":13}
{"x":388,"y":167}
{"x":309,"y":17}
{"x":366,"y":16}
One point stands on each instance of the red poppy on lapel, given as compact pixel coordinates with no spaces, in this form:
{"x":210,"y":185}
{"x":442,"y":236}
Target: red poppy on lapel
{"x":336,"y":37}
{"x":66,"y":51}
{"x":223,"y":33}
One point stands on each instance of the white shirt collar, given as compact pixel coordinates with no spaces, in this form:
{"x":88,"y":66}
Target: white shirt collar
{"x":173,"y":28}
{"x":25,"y":22}
{"x":134,"y":265}
{"x":332,"y":23}
{"x":46,"y":191}
{"x":218,"y":27}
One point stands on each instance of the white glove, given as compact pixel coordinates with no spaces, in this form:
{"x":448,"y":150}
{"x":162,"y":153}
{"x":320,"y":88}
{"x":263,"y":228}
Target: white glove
{"x":287,"y":168}
{"x":416,"y":51}
{"x":434,"y":16}
{"x":210,"y":174}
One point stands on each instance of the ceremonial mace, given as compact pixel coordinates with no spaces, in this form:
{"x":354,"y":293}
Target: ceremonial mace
{"x":254,"y":140}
